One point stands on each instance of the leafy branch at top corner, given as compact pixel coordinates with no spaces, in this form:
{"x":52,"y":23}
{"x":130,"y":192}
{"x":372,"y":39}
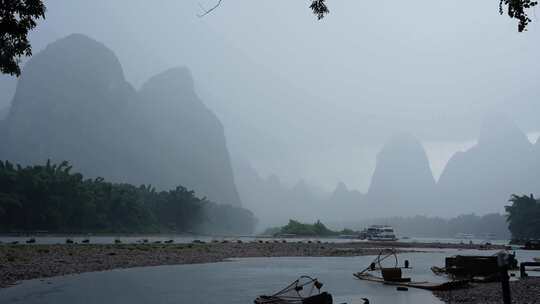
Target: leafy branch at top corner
{"x":319,"y":8}
{"x":517,"y":9}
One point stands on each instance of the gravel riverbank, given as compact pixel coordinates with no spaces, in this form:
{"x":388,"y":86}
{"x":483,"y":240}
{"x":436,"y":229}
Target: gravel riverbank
{"x":525,"y":291}
{"x":24,"y":262}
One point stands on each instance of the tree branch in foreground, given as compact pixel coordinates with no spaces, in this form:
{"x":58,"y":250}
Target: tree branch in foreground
{"x":206,"y":12}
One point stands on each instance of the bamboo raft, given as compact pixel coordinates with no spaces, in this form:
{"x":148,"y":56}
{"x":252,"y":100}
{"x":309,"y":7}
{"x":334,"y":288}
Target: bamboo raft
{"x":305,"y":290}
{"x":412,"y":284}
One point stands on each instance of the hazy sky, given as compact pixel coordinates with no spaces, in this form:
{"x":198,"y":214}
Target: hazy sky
{"x":315,"y":99}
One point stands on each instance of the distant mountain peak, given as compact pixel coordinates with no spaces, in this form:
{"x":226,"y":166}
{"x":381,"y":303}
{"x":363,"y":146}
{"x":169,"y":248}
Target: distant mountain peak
{"x":402,"y":176}
{"x":273,"y":180}
{"x":498,"y":129}
{"x":341,"y":188}
{"x":177,"y":79}
{"x":399,"y":146}
{"x":483,"y":177}
{"x":77,"y":55}
{"x":197,"y":152}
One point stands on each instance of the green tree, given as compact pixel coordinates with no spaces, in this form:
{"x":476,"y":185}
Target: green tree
{"x":52,"y":198}
{"x":517,"y":9}
{"x":17,"y":18}
{"x":524,"y":217}
{"x":316,"y":229}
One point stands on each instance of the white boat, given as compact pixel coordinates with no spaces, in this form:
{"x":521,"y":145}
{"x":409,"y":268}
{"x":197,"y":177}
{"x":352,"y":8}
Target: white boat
{"x":381,"y":233}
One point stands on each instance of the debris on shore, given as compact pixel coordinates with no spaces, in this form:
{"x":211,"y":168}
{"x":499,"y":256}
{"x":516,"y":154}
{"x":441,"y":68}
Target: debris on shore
{"x":522,"y":291}
{"x":475,"y":268}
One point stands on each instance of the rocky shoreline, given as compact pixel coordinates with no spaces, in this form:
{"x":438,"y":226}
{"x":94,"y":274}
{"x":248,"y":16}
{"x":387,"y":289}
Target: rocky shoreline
{"x":25,"y":262}
{"x":525,"y":291}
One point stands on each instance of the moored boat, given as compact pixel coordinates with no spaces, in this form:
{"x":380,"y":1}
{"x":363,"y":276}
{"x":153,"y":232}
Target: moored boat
{"x":393,"y":275}
{"x":304,"y":290}
{"x":381,"y":233}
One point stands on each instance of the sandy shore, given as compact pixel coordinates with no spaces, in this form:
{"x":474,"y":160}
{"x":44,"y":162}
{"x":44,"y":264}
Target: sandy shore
{"x":522,"y":291}
{"x":24,"y":262}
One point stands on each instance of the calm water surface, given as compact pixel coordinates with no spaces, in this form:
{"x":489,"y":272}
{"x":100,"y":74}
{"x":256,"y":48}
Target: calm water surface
{"x":235,"y":281}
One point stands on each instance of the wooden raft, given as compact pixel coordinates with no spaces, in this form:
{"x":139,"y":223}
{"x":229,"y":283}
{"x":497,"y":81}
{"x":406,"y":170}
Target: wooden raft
{"x":422,"y":285}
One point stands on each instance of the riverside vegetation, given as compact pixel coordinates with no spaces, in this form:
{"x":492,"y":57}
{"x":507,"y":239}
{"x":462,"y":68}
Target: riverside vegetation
{"x":52,"y":198}
{"x":524,"y":217}
{"x":316,"y":229}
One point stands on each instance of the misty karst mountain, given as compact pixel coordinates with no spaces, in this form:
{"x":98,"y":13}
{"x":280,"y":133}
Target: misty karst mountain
{"x":343,"y":197}
{"x":345,"y":204}
{"x":268,"y":196}
{"x":479,"y":180}
{"x":73,"y":103}
{"x":4,"y":113}
{"x":402,"y":179}
{"x":503,"y":162}
{"x":191,"y":140}
{"x":341,"y":108}
{"x":276,"y":202}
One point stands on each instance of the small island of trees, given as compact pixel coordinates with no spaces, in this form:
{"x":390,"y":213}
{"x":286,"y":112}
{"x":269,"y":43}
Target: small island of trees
{"x":317,"y":229}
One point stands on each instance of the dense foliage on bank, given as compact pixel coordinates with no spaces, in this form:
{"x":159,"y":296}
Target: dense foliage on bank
{"x":52,"y":198}
{"x":524,"y":217}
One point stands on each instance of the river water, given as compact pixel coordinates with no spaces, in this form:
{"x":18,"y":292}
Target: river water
{"x":234,"y":281}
